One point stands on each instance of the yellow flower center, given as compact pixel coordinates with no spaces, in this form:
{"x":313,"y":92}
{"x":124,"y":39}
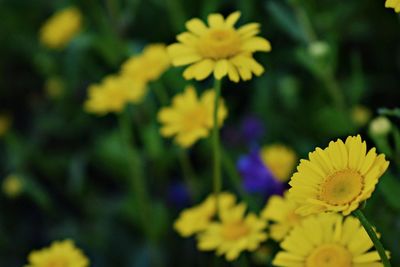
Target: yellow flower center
{"x":219,"y":44}
{"x":329,"y":255}
{"x":235,"y":231}
{"x":195,"y":118}
{"x":342,"y":187}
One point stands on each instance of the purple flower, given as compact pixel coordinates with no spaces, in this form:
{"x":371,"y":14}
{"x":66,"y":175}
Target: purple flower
{"x":252,"y":128}
{"x":257,"y":178}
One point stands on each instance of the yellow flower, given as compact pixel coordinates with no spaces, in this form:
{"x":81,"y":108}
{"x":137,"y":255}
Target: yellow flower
{"x":219,"y":48}
{"x":61,"y":28}
{"x":395,"y":4}
{"x":113,"y":94}
{"x":195,"y":219}
{"x":337,"y":178}
{"x":360,"y":115}
{"x":60,"y":253}
{"x":54,"y":87}
{"x":280,"y":160}
{"x":380,"y":126}
{"x":234,"y":234}
{"x":190,"y":118}
{"x":148,"y":66}
{"x":281,"y":210}
{"x":5,"y":123}
{"x":12,"y":186}
{"x":327,"y":240}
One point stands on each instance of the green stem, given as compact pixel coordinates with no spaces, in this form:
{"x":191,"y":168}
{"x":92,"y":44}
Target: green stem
{"x":188,"y":173}
{"x":161,"y":93}
{"x":217,"y":179}
{"x":333,"y":90}
{"x":136,"y":178}
{"x":372,"y":234}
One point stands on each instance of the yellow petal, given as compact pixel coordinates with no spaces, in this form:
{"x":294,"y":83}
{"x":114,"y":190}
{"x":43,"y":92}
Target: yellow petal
{"x":257,"y":44}
{"x":199,"y":70}
{"x":215,"y":20}
{"x":221,"y":69}
{"x":196,"y":26}
{"x":232,"y":18}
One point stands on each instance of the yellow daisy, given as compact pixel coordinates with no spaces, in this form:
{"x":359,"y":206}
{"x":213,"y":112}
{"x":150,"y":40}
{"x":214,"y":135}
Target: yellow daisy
{"x":61,"y":28}
{"x":190,"y":118}
{"x":60,"y":253}
{"x":234,"y":234}
{"x":149,"y":65}
{"x":280,"y":160}
{"x":395,"y":4}
{"x":195,"y":219}
{"x":113,"y":94}
{"x":337,"y":178}
{"x":219,"y":48}
{"x":281,"y":210}
{"x":327,"y":240}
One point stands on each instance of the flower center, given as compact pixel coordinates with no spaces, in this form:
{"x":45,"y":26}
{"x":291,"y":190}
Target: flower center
{"x":342,"y":187}
{"x":194,"y":119}
{"x":235,"y":231}
{"x":329,"y":255}
{"x":219,"y":44}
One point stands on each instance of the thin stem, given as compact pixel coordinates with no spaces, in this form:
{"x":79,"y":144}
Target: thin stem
{"x":188,"y":173}
{"x":136,"y":178}
{"x":372,"y":234}
{"x":160,"y":93}
{"x":217,"y":179}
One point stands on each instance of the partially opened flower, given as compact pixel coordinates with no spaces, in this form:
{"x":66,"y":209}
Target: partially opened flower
{"x":395,"y":4}
{"x":61,"y":28}
{"x":337,"y":178}
{"x":281,"y":211}
{"x":60,"y":253}
{"x":196,"y":219}
{"x":219,"y":48}
{"x":234,"y":233}
{"x":113,"y":94}
{"x":149,"y":65}
{"x":190,"y":117}
{"x":327,"y":240}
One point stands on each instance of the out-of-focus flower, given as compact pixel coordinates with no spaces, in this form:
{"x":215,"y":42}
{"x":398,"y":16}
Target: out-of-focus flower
{"x":219,"y":48}
{"x":360,"y":115}
{"x":327,"y":239}
{"x":318,"y":49}
{"x":54,"y":87}
{"x":252,"y":129}
{"x":190,"y":118}
{"x":5,"y":123}
{"x":196,"y":219}
{"x":395,"y":4}
{"x":234,"y":233}
{"x":380,"y":126}
{"x":60,"y":253}
{"x":113,"y":94}
{"x":12,"y":186}
{"x":266,"y":170}
{"x":281,"y":210}
{"x":61,"y":28}
{"x":338,"y":178}
{"x":149,"y":65}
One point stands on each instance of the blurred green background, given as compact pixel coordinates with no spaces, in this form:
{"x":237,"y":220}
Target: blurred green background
{"x":71,"y":163}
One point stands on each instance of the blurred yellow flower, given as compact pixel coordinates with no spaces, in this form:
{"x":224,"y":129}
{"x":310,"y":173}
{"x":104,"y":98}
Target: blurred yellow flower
{"x":149,"y":65}
{"x":280,"y":160}
{"x":380,"y":126}
{"x":327,"y":240}
{"x":5,"y":123}
{"x":12,"y":185}
{"x":395,"y":4}
{"x":360,"y":115}
{"x":190,"y":118}
{"x":60,"y":253}
{"x":337,"y":178}
{"x":61,"y":28}
{"x":113,"y":94}
{"x":54,"y":87}
{"x":195,"y":219}
{"x":219,"y":48}
{"x":281,"y":210}
{"x":234,"y":234}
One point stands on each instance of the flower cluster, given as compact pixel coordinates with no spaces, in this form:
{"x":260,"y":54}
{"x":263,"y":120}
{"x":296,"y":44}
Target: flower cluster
{"x":61,"y":28}
{"x":395,"y":4}
{"x":130,"y":84}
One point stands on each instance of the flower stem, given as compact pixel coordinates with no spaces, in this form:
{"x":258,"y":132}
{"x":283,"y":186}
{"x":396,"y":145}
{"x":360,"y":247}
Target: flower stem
{"x":217,"y":179}
{"x":372,"y":234}
{"x":188,"y":173}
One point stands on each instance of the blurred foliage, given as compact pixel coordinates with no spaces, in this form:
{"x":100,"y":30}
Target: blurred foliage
{"x":327,"y":57}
